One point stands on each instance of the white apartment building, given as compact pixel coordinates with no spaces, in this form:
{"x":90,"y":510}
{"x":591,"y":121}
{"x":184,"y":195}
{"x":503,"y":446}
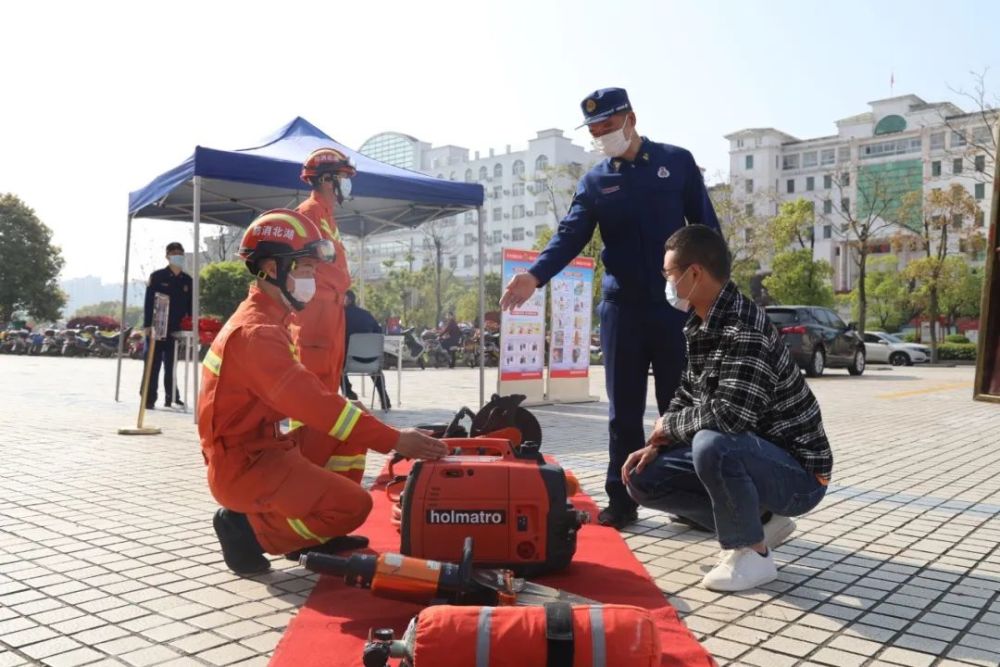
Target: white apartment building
{"x":526,"y":191}
{"x":899,"y":145}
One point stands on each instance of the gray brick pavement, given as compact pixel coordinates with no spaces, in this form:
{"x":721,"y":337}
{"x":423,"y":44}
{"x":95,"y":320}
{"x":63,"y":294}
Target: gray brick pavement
{"x":107,"y":555}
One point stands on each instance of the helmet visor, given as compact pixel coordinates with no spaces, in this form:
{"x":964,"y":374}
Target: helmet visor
{"x":323,"y":249}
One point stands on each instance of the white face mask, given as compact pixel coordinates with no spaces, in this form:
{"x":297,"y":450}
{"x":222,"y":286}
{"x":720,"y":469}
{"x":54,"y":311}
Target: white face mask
{"x":303,"y":289}
{"x":675,"y":300}
{"x":176,"y":261}
{"x":613,"y":144}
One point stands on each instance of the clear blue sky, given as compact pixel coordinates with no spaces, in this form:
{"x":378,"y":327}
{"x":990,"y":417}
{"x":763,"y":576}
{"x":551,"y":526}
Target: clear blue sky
{"x":109,"y":95}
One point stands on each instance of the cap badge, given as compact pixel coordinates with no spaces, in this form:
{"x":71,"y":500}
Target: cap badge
{"x":591,"y":105}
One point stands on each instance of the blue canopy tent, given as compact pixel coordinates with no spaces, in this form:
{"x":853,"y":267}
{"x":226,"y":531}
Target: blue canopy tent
{"x":233,"y":187}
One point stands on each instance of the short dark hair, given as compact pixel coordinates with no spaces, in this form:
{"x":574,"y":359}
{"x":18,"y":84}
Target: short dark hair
{"x":698,"y":244}
{"x":174,"y":245}
{"x":350,"y":296}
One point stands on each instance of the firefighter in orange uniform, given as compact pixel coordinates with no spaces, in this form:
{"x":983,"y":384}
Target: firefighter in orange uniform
{"x":275,"y":499}
{"x":321,"y":328}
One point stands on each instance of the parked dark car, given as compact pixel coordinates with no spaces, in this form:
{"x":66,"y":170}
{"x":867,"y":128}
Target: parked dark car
{"x":818,"y":339}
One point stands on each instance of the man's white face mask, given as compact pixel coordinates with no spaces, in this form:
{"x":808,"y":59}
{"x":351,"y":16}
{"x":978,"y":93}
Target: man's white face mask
{"x":303,"y":289}
{"x":614,"y":143}
{"x":675,"y":299}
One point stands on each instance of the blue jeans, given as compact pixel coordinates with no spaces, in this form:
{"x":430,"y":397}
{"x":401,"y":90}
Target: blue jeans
{"x":724,"y":482}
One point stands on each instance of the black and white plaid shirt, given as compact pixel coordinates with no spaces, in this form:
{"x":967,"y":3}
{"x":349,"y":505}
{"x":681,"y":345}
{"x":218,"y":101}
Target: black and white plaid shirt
{"x":740,"y":378}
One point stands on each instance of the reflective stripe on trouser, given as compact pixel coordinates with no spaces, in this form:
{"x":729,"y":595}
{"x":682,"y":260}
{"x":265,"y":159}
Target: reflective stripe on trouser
{"x":342,"y":458}
{"x":291,"y":502}
{"x":597,"y":638}
{"x":483,"y":631}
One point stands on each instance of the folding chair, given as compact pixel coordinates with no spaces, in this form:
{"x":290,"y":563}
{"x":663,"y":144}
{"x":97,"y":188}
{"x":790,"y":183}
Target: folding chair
{"x":364,"y":357}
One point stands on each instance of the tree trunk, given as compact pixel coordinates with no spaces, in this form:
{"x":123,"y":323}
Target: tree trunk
{"x":862,"y":294}
{"x":934,"y":318}
{"x":437,"y":280}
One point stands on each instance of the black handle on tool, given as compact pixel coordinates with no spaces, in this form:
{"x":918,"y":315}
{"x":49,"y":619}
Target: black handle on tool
{"x":559,"y":634}
{"x":357,"y":569}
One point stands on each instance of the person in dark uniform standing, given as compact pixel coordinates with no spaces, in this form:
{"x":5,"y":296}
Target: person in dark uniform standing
{"x":359,"y":320}
{"x":640,"y":195}
{"x":172,"y":281}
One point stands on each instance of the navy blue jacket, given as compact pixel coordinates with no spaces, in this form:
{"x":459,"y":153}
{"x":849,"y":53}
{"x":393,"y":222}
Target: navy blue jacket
{"x":178,"y":287}
{"x":637,"y":205}
{"x":359,"y":320}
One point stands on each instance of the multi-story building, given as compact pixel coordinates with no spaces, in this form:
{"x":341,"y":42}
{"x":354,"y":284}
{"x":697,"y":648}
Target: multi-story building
{"x":901,"y":144}
{"x":526,"y":191}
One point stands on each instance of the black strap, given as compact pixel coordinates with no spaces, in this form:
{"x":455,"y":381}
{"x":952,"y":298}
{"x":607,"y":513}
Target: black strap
{"x":559,"y":634}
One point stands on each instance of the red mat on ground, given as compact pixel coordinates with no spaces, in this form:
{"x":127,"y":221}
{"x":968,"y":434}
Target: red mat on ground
{"x":331,"y":629}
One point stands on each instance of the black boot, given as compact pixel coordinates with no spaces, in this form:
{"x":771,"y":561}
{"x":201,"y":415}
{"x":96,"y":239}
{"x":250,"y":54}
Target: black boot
{"x":332,"y":546}
{"x":240,"y":548}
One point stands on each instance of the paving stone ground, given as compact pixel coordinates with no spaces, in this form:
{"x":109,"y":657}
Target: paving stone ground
{"x":107,"y":554}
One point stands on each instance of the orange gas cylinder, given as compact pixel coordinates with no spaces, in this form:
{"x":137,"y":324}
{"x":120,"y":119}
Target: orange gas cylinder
{"x":555,"y":635}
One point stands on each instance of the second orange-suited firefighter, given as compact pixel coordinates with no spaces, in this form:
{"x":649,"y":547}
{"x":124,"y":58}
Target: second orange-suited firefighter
{"x":321,"y":328}
{"x":276,"y":500}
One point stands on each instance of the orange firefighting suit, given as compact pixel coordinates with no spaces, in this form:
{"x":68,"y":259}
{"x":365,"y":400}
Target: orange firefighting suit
{"x":320,"y":335}
{"x":251,"y":380}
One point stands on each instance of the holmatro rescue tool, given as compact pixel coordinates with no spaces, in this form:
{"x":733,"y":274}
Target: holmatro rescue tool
{"x":495,"y":488}
{"x":399,"y":577}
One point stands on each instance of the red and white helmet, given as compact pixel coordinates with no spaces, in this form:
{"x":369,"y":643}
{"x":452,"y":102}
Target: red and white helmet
{"x":283,"y":235}
{"x":327,"y":161}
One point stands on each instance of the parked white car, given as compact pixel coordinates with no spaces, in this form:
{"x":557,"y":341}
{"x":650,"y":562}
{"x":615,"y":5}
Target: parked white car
{"x":884,"y":348}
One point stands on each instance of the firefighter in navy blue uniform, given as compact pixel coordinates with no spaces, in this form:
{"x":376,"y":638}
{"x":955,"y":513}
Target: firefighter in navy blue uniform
{"x":172,"y":281}
{"x":640,"y":195}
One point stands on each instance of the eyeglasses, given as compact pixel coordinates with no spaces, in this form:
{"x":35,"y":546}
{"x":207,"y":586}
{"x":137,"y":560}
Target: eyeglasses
{"x":666,"y":272}
{"x":329,"y":178}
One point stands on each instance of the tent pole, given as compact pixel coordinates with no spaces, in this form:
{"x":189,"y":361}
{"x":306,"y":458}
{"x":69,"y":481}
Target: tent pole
{"x":482,"y":309}
{"x":361,"y":275}
{"x":195,"y":300}
{"x":121,"y":329}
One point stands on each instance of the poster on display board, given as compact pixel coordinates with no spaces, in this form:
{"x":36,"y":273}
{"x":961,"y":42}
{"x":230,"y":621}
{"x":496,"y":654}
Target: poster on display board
{"x":522,"y":336}
{"x":569,"y":346}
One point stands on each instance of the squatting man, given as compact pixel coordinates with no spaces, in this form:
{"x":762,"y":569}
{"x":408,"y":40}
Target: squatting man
{"x":741,"y":446}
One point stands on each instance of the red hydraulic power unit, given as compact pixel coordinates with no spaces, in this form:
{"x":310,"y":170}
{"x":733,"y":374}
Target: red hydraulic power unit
{"x":509,"y":499}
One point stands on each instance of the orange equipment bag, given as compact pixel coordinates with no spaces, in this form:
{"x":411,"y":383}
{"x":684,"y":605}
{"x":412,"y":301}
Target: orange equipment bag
{"x":554,"y":635}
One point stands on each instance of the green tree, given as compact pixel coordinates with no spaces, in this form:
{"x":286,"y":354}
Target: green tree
{"x":942,"y":213}
{"x":223,"y":286}
{"x":739,"y":228}
{"x":29,"y":264}
{"x":797,"y":279}
{"x":467,"y":305}
{"x":795,"y":276}
{"x":961,"y":290}
{"x":133,"y":314}
{"x":890,"y":295}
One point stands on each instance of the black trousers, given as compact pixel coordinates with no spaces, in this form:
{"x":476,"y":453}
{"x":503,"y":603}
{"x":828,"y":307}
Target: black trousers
{"x":163,"y":356}
{"x":383,"y":394}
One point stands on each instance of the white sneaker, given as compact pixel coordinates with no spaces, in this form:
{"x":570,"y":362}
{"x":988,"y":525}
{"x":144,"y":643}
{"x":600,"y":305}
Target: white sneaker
{"x":739,"y":570}
{"x":777,"y":531}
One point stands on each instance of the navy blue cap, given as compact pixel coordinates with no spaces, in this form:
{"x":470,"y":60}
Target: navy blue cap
{"x":604,"y":103}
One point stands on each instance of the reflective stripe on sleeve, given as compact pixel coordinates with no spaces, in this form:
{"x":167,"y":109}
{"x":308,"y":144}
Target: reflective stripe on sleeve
{"x":302,"y":530}
{"x":345,"y":463}
{"x":213,"y":362}
{"x":345,"y":423}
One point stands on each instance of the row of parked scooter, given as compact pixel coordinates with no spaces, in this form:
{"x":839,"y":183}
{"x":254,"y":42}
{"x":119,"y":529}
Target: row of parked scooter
{"x":427,"y":349}
{"x":86,"y":342}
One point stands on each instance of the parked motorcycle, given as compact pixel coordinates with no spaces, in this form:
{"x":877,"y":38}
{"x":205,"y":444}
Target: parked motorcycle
{"x":413,"y":351}
{"x":74,"y":345}
{"x":491,"y":348}
{"x":136,"y":345}
{"x":435,"y":354}
{"x":105,"y":344}
{"x":51,"y":344}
